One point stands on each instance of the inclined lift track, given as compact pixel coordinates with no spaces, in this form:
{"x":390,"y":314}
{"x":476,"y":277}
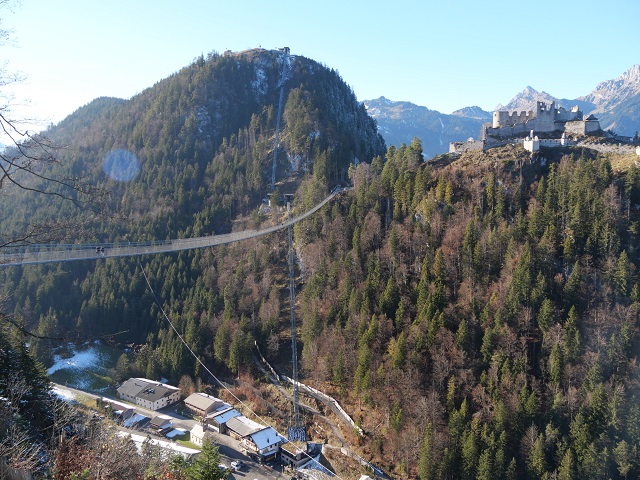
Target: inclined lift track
{"x":34,"y":254}
{"x":283,"y":78}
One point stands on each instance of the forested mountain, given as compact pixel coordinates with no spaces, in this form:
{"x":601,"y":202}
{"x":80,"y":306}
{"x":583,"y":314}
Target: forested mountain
{"x":494,"y":306}
{"x":190,"y":156}
{"x":478,"y":318}
{"x":204,"y":140}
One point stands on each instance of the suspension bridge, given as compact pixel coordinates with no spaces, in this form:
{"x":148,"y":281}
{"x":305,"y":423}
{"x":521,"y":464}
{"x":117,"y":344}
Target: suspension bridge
{"x":48,"y":253}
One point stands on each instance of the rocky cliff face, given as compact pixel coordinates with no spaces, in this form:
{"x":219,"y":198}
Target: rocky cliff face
{"x":526,"y":100}
{"x":474,"y":112}
{"x":612,"y":93}
{"x":617,"y":102}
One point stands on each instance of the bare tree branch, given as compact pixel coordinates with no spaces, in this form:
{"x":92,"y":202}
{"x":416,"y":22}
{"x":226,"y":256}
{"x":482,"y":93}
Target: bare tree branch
{"x":77,"y":338}
{"x":21,"y":162}
{"x":16,"y":445}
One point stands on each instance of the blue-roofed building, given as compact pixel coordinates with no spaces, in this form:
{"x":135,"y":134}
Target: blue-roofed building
{"x":217,"y":421}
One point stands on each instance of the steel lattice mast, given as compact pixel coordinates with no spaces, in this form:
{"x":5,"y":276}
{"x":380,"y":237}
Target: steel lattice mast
{"x":296,"y":430}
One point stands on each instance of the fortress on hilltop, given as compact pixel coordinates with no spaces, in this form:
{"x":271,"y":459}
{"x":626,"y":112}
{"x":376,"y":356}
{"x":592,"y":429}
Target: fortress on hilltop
{"x":555,"y":123}
{"x":546,"y":118}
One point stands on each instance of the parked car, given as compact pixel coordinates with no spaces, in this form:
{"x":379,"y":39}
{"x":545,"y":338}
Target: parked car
{"x":237,"y":465}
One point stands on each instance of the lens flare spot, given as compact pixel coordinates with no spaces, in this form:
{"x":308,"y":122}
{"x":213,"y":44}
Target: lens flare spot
{"x":121,"y":165}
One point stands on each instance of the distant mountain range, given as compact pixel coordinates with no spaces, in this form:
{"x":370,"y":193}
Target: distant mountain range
{"x":400,"y":122}
{"x":615,"y":102}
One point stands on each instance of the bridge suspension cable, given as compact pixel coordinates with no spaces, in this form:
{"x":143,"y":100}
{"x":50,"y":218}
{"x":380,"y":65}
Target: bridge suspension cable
{"x":35,"y":254}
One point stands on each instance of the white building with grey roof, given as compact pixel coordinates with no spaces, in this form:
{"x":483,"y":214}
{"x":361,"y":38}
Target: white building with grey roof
{"x":148,"y":394}
{"x":263,"y":444}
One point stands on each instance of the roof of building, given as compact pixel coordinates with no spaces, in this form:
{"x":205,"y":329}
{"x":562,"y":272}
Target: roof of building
{"x":266,"y":438}
{"x":133,"y":419}
{"x":243,"y":426}
{"x":223,"y":416}
{"x":161,"y":421}
{"x":295,"y":447}
{"x":146,"y":389}
{"x":126,"y":412}
{"x":131,"y":387}
{"x":197,"y":431}
{"x":202,"y":401}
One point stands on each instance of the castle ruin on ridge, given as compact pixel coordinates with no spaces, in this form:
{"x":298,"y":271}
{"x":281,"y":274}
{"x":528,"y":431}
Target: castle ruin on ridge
{"x":547,"y":118}
{"x":520,"y":127}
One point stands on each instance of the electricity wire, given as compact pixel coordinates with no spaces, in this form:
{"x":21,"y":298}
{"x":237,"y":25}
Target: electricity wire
{"x":222,"y":385}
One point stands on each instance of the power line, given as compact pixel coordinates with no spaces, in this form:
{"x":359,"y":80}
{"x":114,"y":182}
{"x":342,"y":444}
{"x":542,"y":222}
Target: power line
{"x":222,"y":385}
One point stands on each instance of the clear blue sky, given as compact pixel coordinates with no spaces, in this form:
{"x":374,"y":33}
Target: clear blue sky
{"x":440,"y":54}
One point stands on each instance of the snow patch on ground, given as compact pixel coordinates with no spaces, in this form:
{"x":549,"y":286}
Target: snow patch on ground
{"x":82,"y":366}
{"x":65,"y":395}
{"x":90,"y":357}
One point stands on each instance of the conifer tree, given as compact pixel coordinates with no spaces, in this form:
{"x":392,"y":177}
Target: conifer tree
{"x":207,"y":464}
{"x":426,"y":464}
{"x":486,"y":468}
{"x":624,"y":458}
{"x":567,"y":469}
{"x":621,"y":276}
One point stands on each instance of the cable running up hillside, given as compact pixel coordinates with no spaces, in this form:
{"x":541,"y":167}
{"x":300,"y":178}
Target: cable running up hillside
{"x":218,"y":381}
{"x":283,"y":78}
{"x":66,"y":253}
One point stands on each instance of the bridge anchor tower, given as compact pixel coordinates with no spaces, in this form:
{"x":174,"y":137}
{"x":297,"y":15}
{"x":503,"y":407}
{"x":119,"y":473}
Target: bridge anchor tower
{"x":296,"y":431}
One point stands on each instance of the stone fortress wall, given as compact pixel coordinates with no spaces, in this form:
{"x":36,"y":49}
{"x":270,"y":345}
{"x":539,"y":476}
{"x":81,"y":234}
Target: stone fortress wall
{"x":468,"y":146}
{"x":546,"y":118}
{"x":542,"y":120}
{"x":583,"y":127}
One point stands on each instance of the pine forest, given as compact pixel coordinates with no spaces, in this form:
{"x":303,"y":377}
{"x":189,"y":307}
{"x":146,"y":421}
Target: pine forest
{"x":477,"y":316}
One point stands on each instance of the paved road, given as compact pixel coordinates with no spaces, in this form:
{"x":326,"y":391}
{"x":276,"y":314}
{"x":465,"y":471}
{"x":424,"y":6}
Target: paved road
{"x":229,"y":447}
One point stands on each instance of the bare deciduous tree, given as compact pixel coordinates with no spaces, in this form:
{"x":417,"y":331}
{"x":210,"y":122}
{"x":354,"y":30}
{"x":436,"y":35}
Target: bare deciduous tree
{"x":17,"y":446}
{"x":26,"y":162}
